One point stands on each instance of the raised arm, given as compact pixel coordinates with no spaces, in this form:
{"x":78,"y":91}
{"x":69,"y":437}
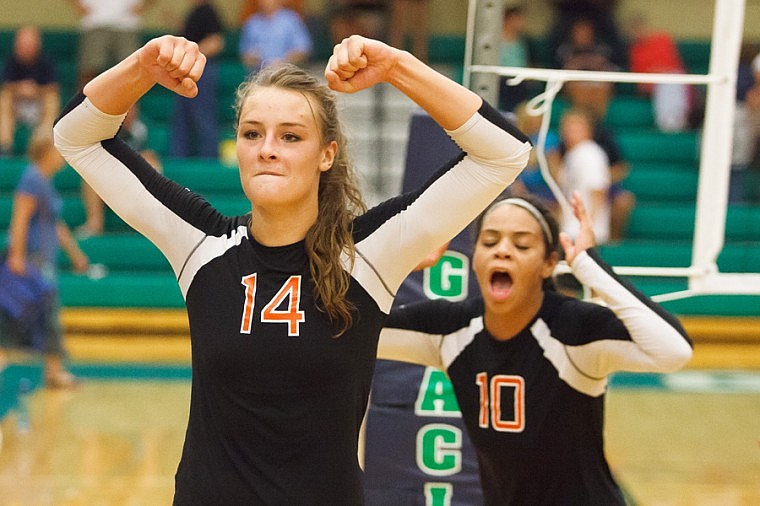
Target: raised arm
{"x":410,"y":346}
{"x":494,"y":154}
{"x":173,"y":62}
{"x":658,"y":342}
{"x":408,"y":336}
{"x":358,"y":63}
{"x":85,"y":135}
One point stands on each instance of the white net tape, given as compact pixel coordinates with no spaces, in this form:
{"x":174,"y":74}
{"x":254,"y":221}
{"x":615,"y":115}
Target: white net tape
{"x":541,"y":105}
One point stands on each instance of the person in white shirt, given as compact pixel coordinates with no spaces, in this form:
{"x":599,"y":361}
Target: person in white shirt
{"x":586,"y":169}
{"x":110,"y":31}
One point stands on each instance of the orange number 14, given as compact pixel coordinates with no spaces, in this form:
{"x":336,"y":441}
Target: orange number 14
{"x":292,"y":315}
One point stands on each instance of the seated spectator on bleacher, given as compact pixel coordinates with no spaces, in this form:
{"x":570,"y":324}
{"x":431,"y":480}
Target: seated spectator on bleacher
{"x":410,"y":18}
{"x":29,"y":92}
{"x":109,"y":32}
{"x":531,"y":181}
{"x":586,"y":53}
{"x":745,"y":154}
{"x":583,"y":51}
{"x":35,"y":236}
{"x":194,"y":123}
{"x":514,"y":51}
{"x":655,"y":51}
{"x":362,"y":17}
{"x":621,"y":200}
{"x":600,"y":13}
{"x":275,"y":34}
{"x":250,"y":7}
{"x":585,"y":168}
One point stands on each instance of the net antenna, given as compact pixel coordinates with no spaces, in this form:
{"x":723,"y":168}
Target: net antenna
{"x":703,"y":275}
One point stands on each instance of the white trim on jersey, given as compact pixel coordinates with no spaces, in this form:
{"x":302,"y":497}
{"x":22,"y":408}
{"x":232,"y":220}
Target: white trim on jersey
{"x":453,"y":344}
{"x":77,"y":137}
{"x":209,"y":248}
{"x":432,"y":350}
{"x":655,"y":345}
{"x":559,"y":354}
{"x":494,"y":159}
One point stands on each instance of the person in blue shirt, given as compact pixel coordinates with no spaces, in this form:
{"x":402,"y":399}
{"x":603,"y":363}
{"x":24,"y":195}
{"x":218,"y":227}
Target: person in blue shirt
{"x":275,"y":34}
{"x":35,"y":236}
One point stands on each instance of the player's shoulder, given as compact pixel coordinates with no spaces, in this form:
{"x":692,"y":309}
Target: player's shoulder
{"x":574,"y":321}
{"x":558,"y":306}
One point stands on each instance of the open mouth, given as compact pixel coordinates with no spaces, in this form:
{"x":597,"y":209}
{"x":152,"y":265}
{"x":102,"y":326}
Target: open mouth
{"x":501,"y":285}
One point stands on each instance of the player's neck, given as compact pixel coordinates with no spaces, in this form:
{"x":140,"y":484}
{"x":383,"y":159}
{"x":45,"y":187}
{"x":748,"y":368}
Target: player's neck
{"x":281,"y":227}
{"x":505,"y":324}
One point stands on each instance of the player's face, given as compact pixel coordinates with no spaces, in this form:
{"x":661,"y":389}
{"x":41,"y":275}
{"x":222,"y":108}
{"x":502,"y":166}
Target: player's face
{"x":280,"y":151}
{"x":509,"y":259}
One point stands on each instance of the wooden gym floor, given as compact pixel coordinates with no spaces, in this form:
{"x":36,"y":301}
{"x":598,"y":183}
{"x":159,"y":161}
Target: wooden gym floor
{"x":687,"y":439}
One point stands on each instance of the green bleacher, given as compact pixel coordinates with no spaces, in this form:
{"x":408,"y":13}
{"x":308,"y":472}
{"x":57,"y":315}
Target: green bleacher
{"x":138,"y":275}
{"x":664,"y":170}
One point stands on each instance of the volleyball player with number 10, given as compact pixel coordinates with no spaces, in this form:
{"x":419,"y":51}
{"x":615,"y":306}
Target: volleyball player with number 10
{"x":530,"y":366}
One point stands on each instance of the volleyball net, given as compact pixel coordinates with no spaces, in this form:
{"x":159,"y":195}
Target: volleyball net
{"x":703,"y":274}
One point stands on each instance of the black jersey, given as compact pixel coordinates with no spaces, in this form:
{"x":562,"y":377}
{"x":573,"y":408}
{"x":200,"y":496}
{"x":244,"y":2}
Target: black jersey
{"x":533,"y":405}
{"x":277,"y":401}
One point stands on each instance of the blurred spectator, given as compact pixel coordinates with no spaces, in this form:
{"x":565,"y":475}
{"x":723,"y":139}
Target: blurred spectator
{"x":621,"y":200}
{"x":35,"y":236}
{"x":655,"y":51}
{"x":250,"y":7}
{"x":361,"y":17}
{"x":531,"y":180}
{"x":600,"y":13}
{"x":110,"y":31}
{"x":135,"y":133}
{"x":585,"y":168}
{"x":274,"y":34}
{"x":410,"y":18}
{"x":194,"y":123}
{"x":583,"y":51}
{"x":29,"y":92}
{"x":514,"y":51}
{"x":746,"y":123}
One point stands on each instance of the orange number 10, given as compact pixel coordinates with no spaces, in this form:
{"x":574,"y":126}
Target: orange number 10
{"x":490,"y":402}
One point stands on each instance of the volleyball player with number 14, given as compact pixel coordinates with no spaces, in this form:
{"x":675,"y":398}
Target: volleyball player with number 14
{"x":286,"y":303}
